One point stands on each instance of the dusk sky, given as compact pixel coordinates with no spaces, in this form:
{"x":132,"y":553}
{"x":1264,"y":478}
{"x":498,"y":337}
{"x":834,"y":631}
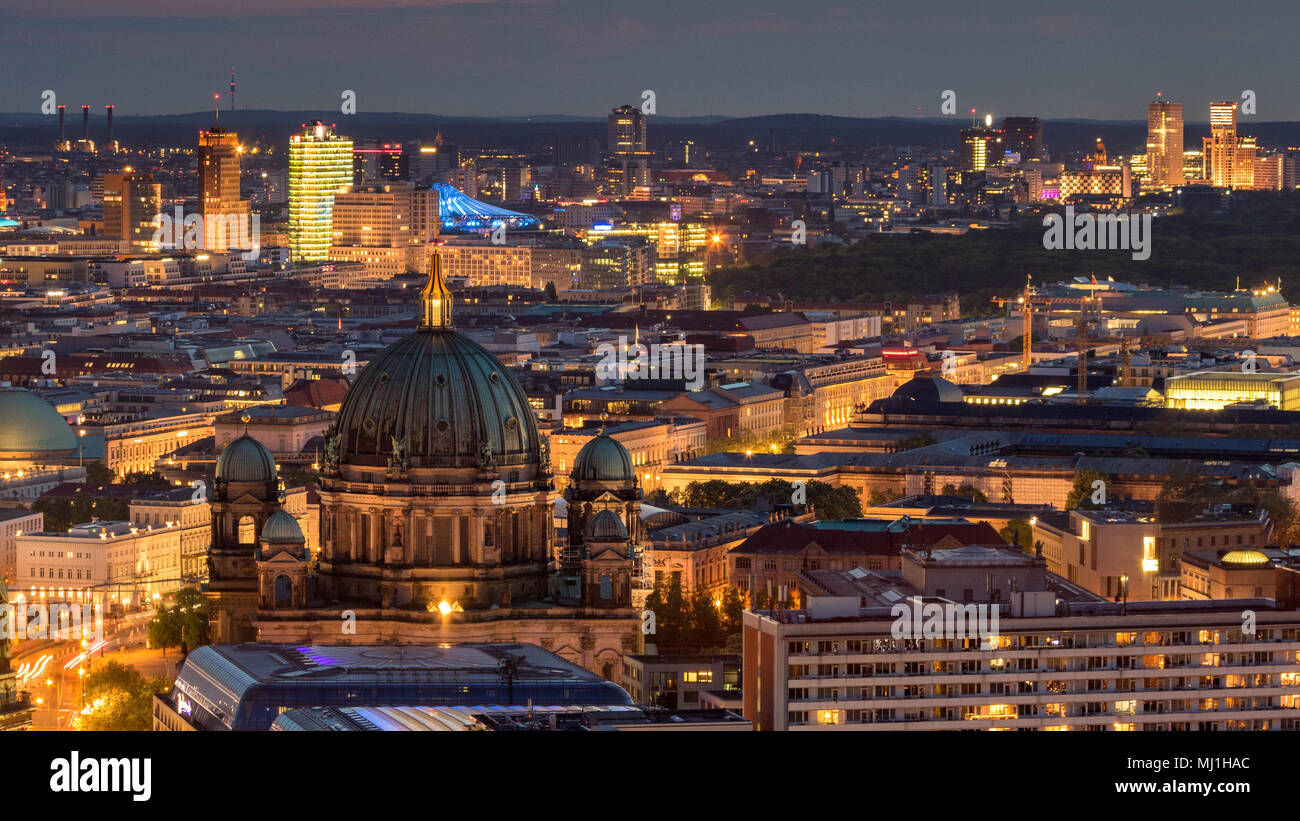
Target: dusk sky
{"x":726,"y":57}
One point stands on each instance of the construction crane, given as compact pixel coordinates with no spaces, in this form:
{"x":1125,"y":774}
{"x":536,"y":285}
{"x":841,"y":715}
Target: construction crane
{"x":1030,"y":302}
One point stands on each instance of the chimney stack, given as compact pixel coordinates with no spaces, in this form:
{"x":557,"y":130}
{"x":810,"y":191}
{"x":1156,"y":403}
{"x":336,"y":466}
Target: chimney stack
{"x":108,"y":109}
{"x":61,"y":138}
{"x":85,"y":123}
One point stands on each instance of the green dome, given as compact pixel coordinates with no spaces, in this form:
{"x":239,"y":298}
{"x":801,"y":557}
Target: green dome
{"x":441,"y":396}
{"x":605,"y":526}
{"x":32,"y":428}
{"x":246,"y":460}
{"x":603,"y":459}
{"x":281,"y":527}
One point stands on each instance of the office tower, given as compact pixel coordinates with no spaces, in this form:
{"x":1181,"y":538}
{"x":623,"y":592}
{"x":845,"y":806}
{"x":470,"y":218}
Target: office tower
{"x":981,"y":148}
{"x":320,"y":164}
{"x":219,"y":168}
{"x":1243,"y":163}
{"x":1165,"y":143}
{"x":630,"y":167}
{"x":626,"y":130}
{"x":1024,"y":136}
{"x":681,"y":153}
{"x":131,"y":201}
{"x":1221,"y":147}
{"x":372,"y":225}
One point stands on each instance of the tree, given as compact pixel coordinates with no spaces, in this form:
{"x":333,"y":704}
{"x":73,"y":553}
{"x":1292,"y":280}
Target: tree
{"x":191,"y":611}
{"x":1184,"y":494}
{"x":965,"y":489}
{"x":97,"y":473}
{"x":1134,"y":450}
{"x":165,"y":628}
{"x":552,"y":295}
{"x":1081,"y":493}
{"x":141,"y":477}
{"x":119,"y":697}
{"x":706,"y":621}
{"x":1018,"y":532}
{"x":916,"y":440}
{"x":62,"y":512}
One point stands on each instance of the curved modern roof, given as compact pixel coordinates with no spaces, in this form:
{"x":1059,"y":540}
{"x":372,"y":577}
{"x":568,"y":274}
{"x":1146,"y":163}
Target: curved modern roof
{"x":246,"y":686}
{"x":460,"y":212}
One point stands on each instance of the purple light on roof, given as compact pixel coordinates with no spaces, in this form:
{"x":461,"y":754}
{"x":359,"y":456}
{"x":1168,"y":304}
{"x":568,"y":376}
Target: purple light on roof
{"x":317,"y":657}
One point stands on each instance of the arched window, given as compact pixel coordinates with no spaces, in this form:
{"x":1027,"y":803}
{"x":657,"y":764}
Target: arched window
{"x":283,"y":591}
{"x":247,"y":530}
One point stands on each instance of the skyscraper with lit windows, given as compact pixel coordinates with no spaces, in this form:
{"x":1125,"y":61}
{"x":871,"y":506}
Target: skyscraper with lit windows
{"x":1221,"y":146}
{"x":320,"y":164}
{"x":219,"y":167}
{"x":1165,"y":143}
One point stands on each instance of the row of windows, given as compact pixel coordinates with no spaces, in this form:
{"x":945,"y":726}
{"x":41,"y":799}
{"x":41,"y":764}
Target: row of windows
{"x":1150,"y":638}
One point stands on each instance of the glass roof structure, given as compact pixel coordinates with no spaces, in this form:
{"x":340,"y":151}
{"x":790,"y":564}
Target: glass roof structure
{"x":458,"y":211}
{"x":246,"y":686}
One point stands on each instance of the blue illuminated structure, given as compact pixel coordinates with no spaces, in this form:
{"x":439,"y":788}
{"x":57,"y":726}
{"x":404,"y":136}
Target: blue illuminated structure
{"x":461,"y":212}
{"x":8,"y":223}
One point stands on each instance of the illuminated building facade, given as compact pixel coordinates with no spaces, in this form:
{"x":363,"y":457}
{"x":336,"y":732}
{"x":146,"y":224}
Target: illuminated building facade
{"x":320,"y":164}
{"x":1213,"y":390}
{"x":1099,"y":666}
{"x":981,"y":148}
{"x":1165,"y":144}
{"x":218,"y":169}
{"x":372,"y":224}
{"x":1111,"y":180}
{"x":630,"y":166}
{"x":131,"y":201}
{"x":437,"y":516}
{"x":1221,"y":145}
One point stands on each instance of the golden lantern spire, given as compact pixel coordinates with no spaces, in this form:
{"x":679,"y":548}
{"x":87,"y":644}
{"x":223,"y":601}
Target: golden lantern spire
{"x":435,"y":299}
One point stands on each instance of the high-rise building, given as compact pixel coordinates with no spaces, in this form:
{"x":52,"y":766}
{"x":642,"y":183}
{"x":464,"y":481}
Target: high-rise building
{"x":626,"y":130}
{"x":375,"y":224}
{"x":1243,"y":163}
{"x":1165,"y":143}
{"x":131,"y":201}
{"x":1024,"y":136}
{"x":320,"y":164}
{"x":981,"y":148}
{"x":219,"y":168}
{"x":1221,"y":145}
{"x":630,"y":168}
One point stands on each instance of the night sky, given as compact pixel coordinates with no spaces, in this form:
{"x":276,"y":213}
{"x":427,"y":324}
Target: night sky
{"x":1097,"y":59}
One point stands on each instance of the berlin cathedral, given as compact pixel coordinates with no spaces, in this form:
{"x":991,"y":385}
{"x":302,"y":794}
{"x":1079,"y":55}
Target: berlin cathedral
{"x":437,"y":506}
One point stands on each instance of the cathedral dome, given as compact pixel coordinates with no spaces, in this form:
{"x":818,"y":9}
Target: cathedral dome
{"x":603,"y":459}
{"x":605,"y":526}
{"x":246,"y":460}
{"x":435,"y":399}
{"x":33,"y":429}
{"x":281,"y":527}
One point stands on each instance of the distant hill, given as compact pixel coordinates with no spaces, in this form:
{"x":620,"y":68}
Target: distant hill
{"x":536,"y":134}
